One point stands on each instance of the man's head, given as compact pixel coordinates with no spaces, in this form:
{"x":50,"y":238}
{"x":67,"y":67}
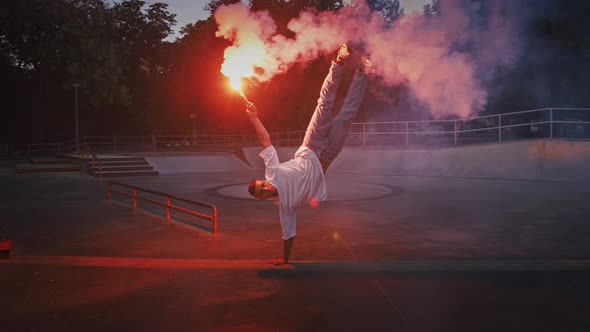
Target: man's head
{"x":262,"y":189}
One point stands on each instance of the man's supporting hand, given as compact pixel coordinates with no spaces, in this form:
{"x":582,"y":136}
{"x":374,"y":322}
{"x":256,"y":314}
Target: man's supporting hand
{"x":278,"y":261}
{"x":287,"y":246}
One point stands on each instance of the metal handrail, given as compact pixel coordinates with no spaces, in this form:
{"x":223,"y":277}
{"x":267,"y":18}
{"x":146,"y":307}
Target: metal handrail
{"x":407,"y":128}
{"x":499,"y":127}
{"x":168,"y":205}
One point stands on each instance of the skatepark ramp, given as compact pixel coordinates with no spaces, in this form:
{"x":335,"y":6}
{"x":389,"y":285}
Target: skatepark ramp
{"x":195,"y":162}
{"x":542,"y":159}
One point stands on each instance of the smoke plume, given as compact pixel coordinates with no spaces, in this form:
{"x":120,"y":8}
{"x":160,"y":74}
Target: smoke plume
{"x":443,"y":60}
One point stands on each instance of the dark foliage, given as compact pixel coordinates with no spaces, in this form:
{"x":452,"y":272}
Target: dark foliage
{"x":135,"y":80}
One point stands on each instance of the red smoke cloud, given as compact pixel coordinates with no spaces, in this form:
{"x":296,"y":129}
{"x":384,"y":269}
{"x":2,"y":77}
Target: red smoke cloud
{"x":415,"y":51}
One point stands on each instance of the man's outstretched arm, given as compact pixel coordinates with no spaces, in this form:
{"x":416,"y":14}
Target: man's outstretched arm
{"x":261,"y":132}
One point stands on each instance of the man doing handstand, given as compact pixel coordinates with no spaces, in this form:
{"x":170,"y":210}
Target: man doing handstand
{"x":301,"y":179}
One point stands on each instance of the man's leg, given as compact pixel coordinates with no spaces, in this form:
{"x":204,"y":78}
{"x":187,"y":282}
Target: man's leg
{"x":316,"y":136}
{"x":339,"y":129}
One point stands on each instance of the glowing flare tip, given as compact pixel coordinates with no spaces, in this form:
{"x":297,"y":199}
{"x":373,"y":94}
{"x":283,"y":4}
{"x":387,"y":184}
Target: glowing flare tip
{"x":236,"y":84}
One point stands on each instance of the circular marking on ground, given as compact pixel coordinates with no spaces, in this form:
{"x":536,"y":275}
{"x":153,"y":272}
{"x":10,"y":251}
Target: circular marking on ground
{"x":352,"y":191}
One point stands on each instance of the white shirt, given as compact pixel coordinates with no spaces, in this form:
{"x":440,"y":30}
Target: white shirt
{"x":298,"y":181}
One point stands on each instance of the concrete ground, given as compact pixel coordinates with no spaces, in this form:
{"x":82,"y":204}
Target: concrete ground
{"x":384,"y":253}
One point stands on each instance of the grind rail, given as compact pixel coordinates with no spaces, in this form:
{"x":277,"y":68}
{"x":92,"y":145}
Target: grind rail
{"x":167,"y":204}
{"x":95,"y":160}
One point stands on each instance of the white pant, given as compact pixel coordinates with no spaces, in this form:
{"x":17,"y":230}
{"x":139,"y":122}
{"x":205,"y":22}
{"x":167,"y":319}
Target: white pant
{"x":325,"y":134}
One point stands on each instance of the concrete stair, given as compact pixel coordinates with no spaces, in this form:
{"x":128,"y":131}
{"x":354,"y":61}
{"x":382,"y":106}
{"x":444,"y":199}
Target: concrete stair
{"x":121,"y":167}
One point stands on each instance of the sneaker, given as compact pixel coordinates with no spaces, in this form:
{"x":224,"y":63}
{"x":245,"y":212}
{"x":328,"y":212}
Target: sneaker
{"x":366,"y":65}
{"x":343,"y":53}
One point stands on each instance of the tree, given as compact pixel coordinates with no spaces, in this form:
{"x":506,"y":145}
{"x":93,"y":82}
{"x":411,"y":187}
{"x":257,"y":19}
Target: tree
{"x":195,"y":83}
{"x":427,"y":10}
{"x":435,"y":9}
{"x":55,"y":44}
{"x":552,"y":69}
{"x":319,"y":5}
{"x":141,"y":32}
{"x":432,"y":9}
{"x":52,"y":45}
{"x":212,"y":6}
{"x":391,"y":10}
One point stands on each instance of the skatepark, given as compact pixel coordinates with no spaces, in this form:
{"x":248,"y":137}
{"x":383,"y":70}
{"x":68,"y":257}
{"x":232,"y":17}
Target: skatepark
{"x":477,"y":238}
{"x":295,"y":166}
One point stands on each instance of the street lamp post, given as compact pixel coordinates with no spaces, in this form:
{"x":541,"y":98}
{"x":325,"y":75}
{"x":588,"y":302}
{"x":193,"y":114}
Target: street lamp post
{"x":76,"y":86}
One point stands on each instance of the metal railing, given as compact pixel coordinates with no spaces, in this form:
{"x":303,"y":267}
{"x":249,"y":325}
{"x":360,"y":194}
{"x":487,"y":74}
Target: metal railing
{"x":179,"y":141}
{"x":573,"y":123}
{"x":39,"y":148}
{"x":167,"y":204}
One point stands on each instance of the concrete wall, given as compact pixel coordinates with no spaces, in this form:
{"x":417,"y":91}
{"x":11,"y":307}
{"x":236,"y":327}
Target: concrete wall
{"x":566,"y":160}
{"x":218,"y":162}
